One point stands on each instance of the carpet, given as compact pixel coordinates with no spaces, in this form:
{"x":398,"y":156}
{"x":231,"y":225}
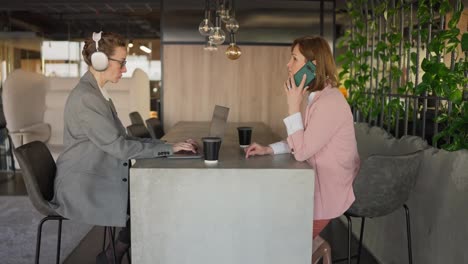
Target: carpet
{"x":18,"y":229}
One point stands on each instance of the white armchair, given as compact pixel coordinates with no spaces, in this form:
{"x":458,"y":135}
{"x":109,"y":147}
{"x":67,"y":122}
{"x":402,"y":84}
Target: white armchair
{"x":34,"y":105}
{"x":23,"y":104}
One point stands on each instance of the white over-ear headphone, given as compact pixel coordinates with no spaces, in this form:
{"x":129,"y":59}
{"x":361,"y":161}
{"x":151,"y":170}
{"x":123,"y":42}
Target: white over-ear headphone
{"x":99,"y":59}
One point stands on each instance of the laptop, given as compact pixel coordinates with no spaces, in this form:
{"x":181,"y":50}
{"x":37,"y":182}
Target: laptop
{"x":219,"y":121}
{"x":217,"y":128}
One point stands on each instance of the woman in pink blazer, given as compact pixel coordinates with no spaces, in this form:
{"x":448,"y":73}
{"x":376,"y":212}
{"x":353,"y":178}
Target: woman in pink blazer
{"x":322,"y":134}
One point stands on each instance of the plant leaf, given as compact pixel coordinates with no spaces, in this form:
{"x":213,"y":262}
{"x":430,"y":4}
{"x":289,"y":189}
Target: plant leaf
{"x":464,"y":42}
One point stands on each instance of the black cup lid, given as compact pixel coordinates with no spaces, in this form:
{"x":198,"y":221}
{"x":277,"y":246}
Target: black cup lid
{"x":244,"y":128}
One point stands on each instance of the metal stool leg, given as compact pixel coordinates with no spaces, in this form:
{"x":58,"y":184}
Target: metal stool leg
{"x":59,"y":240}
{"x":129,"y":259}
{"x":363,"y":219}
{"x":112,"y":238}
{"x":39,"y":236}
{"x":38,"y":240}
{"x":350,"y":228}
{"x":104,"y":239}
{"x":408,"y":234}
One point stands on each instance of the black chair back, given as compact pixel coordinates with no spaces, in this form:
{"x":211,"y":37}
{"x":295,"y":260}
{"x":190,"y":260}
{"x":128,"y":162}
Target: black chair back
{"x":138,"y":131}
{"x":39,"y":170}
{"x":136,"y":119}
{"x":155,"y":128}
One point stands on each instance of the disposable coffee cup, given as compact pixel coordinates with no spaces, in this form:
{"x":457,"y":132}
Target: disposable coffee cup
{"x":245,"y":136}
{"x":211,"y":146}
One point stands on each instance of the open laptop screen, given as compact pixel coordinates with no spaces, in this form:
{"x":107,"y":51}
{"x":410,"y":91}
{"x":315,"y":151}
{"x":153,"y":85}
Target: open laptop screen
{"x":219,"y":121}
{"x":217,"y":127}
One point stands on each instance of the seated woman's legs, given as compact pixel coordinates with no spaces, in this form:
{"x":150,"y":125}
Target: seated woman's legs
{"x":319,"y":225}
{"x":122,"y":244}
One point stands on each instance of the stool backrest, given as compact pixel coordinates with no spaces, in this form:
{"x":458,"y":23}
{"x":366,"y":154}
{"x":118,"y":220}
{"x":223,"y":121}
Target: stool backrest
{"x":138,"y":131}
{"x":135,"y":118}
{"x":155,"y":128}
{"x":384,"y":183}
{"x":38,"y":169}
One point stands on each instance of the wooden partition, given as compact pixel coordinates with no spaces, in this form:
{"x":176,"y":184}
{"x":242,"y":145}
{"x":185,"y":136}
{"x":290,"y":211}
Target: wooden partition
{"x":195,"y":80}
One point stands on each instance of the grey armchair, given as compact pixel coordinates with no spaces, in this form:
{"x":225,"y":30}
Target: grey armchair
{"x":382,"y":186}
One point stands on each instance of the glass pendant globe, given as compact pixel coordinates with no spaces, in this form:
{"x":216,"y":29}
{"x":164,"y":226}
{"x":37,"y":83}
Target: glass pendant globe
{"x":232,"y":25}
{"x":209,"y":46}
{"x":225,"y":16}
{"x":206,"y":27}
{"x":222,"y":12}
{"x":218,"y":36}
{"x":233,"y":52}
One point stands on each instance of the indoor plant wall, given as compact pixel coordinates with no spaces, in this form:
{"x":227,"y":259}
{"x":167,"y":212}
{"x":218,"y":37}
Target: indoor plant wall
{"x":379,"y":44}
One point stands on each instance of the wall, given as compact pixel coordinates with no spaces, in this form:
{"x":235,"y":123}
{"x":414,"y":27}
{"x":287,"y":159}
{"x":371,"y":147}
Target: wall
{"x":252,"y":86}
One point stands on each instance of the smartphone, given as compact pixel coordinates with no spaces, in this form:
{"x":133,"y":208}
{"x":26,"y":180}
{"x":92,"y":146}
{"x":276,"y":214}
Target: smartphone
{"x":309,"y":70}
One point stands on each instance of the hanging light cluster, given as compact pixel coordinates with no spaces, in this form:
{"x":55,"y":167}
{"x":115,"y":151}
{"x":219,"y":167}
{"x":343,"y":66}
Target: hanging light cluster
{"x":214,"y":34}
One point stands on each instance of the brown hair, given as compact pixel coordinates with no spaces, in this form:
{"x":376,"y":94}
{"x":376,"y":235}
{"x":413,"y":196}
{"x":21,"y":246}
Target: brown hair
{"x":317,"y":48}
{"x":107,"y":44}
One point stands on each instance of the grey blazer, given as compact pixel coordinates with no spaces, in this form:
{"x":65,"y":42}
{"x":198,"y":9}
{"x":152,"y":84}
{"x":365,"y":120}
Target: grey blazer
{"x":91,"y":183}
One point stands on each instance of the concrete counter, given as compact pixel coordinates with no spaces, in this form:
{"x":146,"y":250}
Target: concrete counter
{"x":258,"y":210}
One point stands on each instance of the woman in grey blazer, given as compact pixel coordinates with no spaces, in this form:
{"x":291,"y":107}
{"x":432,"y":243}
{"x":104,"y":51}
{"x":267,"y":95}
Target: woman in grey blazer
{"x":91,"y":184}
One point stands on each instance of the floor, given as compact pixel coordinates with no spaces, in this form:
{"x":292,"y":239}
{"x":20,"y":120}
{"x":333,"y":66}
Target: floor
{"x":11,"y":184}
{"x":335,"y":233}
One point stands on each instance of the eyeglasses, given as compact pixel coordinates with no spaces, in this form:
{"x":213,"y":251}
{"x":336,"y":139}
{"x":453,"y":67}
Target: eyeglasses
{"x":122,"y":62}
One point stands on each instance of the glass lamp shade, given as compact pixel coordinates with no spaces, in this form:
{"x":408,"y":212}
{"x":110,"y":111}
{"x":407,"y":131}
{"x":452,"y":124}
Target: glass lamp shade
{"x":225,"y":16}
{"x":206,"y":27}
{"x":223,"y":13}
{"x":209,"y":46}
{"x":218,"y":36}
{"x":232,"y":25}
{"x":233,"y":52}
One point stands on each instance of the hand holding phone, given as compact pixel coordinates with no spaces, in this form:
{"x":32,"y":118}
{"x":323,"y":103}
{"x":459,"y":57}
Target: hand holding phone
{"x":309,"y":70}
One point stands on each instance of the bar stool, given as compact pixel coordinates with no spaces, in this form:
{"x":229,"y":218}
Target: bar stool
{"x":39,"y":170}
{"x":155,"y":128}
{"x":135,"y":118}
{"x":138,"y":131}
{"x":382,"y":186}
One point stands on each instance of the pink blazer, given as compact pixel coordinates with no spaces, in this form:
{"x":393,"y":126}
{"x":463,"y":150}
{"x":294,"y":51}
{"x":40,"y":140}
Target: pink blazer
{"x":328,"y":144}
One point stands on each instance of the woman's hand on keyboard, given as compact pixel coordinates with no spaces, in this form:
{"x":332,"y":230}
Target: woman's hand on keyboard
{"x":193,"y":142}
{"x":183,"y":146}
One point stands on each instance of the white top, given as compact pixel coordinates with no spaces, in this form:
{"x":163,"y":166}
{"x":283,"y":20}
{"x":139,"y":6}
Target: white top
{"x":293,"y":123}
{"x":104,"y":92}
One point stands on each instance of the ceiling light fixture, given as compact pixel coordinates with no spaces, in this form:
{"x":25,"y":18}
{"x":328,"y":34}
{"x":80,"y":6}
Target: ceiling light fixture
{"x":215,"y":35}
{"x":145,"y":49}
{"x":210,"y":46}
{"x":233,"y":52}
{"x":206,"y":27}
